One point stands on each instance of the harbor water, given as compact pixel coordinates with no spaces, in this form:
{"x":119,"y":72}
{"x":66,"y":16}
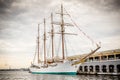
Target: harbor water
{"x":25,"y":75}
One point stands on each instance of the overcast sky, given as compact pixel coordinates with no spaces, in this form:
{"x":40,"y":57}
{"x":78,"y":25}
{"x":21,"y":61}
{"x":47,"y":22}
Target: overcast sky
{"x":100,"y":19}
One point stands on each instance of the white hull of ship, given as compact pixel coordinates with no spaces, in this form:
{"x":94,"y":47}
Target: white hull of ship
{"x":59,"y":68}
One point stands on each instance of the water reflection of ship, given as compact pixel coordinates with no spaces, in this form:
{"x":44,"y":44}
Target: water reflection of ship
{"x":59,"y":65}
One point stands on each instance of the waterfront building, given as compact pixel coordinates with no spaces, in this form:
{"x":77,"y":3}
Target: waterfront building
{"x":106,"y":62}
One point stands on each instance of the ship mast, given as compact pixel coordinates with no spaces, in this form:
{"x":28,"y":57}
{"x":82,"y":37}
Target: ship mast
{"x":38,"y":44}
{"x":52,"y":36}
{"x":44,"y":42}
{"x":62,"y":32}
{"x":62,"y":25}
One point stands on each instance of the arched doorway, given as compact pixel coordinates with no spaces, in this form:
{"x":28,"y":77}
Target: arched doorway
{"x":91,"y":68}
{"x":118,"y":68}
{"x":86,"y":68}
{"x":111,"y":68}
{"x":104,"y":68}
{"x":97,"y":68}
{"x":80,"y":68}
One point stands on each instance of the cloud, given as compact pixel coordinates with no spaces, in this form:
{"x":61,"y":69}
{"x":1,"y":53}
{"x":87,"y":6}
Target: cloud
{"x":19,"y":16}
{"x":111,"y":42}
{"x":12,"y":47}
{"x":105,"y":5}
{"x":4,"y":5}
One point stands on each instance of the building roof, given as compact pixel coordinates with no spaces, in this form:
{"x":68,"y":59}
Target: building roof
{"x":102,"y":53}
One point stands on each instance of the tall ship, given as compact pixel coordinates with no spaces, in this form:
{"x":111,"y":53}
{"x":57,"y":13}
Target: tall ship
{"x":59,"y":64}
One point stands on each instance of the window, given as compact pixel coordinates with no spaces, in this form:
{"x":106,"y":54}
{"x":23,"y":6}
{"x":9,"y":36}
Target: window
{"x":97,"y":68}
{"x":86,"y":68}
{"x":104,"y":68}
{"x":80,"y":68}
{"x":117,"y":56}
{"x":110,"y":57}
{"x":104,"y":57}
{"x":91,"y":59}
{"x":111,"y":68}
{"x":118,"y":68}
{"x":91,"y":68}
{"x":97,"y":58}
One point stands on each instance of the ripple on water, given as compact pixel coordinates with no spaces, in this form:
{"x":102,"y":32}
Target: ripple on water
{"x":24,"y":75}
